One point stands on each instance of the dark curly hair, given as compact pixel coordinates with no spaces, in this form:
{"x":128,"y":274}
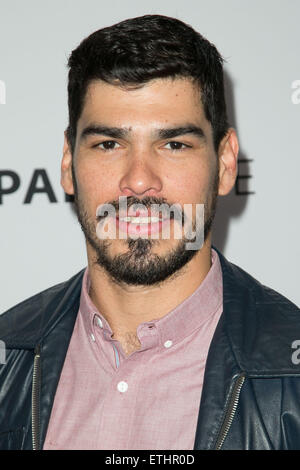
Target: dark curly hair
{"x":140,"y":49}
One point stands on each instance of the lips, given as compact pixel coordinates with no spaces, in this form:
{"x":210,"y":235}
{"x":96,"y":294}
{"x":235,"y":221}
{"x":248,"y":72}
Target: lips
{"x":140,"y":220}
{"x":131,"y":212}
{"x":139,"y":213}
{"x":137,"y":225}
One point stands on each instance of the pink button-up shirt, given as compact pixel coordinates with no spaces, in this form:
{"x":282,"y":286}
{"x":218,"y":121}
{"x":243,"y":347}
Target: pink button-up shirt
{"x":147,"y":400}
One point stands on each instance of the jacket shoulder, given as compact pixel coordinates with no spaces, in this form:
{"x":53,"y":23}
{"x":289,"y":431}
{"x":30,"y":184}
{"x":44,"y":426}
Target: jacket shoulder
{"x":238,"y":279}
{"x":23,"y":324}
{"x":261,"y":323}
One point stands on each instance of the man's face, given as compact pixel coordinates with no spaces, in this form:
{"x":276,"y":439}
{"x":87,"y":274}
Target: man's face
{"x":124,"y":147}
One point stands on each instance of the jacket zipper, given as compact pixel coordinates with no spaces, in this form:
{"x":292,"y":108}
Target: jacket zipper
{"x":35,"y":399}
{"x":230,"y":412}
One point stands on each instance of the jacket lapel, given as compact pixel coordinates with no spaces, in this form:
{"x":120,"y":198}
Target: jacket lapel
{"x":222,"y":365}
{"x":54,"y":348}
{"x":220,"y":374}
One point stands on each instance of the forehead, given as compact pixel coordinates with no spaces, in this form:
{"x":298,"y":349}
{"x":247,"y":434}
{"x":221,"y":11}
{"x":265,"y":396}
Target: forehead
{"x":164,"y":100}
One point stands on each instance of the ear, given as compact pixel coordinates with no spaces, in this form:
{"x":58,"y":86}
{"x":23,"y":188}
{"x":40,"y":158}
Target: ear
{"x":228,"y":167}
{"x":66,"y":179}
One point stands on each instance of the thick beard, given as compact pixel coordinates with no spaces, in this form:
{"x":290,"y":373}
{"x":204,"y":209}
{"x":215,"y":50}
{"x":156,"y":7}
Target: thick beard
{"x":138,"y":266}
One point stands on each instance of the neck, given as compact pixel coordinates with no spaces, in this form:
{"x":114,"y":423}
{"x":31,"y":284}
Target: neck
{"x":125,"y":307}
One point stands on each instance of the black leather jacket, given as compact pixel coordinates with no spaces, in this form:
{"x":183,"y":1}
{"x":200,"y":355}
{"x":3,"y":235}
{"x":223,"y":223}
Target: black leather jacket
{"x":251,"y":390}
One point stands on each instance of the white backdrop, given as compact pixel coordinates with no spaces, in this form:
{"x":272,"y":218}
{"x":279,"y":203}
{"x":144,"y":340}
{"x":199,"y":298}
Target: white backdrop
{"x":41,"y":243}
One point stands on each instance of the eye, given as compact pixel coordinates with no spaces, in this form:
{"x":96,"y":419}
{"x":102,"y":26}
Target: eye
{"x":106,"y":145}
{"x":174,"y":145}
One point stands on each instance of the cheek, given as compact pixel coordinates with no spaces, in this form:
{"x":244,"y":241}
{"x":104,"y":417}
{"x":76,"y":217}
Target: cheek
{"x":191,"y":184}
{"x":95,"y":186}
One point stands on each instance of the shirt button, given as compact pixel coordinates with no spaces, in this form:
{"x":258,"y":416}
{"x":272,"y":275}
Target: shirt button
{"x":99,"y":321}
{"x":168,"y":344}
{"x":92,"y":337}
{"x":122,"y":387}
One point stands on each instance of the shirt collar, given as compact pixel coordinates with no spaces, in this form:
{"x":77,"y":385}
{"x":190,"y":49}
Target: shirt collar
{"x":180,"y":322}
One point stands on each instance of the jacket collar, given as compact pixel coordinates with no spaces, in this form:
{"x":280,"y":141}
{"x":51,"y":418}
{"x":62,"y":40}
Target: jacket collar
{"x":260,"y":324}
{"x":29,"y":323}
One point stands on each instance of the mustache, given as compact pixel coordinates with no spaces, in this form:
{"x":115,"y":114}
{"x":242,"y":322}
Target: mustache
{"x":134,"y":203}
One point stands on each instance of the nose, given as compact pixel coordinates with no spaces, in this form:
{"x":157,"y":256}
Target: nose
{"x":141,"y":178}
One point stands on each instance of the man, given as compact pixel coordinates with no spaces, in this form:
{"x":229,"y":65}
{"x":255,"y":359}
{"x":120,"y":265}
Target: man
{"x":154,"y":345}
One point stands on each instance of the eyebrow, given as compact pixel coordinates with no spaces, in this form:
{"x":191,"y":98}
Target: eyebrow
{"x":121,"y":132}
{"x":169,"y":133}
